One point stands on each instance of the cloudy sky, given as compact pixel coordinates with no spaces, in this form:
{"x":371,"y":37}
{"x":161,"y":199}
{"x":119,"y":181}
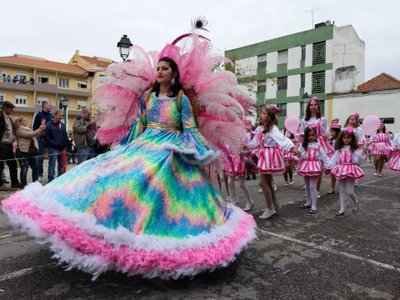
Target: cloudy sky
{"x":54,"y":29}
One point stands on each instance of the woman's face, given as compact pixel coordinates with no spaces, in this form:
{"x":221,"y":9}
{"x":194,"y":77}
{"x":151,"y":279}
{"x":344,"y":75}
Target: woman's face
{"x":313,"y":107}
{"x":352,"y":120}
{"x":381,"y":126}
{"x":164,"y":73}
{"x":264,"y":117}
{"x":311,"y":136}
{"x":24,"y":122}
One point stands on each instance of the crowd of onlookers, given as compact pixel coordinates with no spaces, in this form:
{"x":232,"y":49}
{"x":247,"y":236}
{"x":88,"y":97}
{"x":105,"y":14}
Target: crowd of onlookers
{"x":17,"y":79}
{"x":47,"y":137}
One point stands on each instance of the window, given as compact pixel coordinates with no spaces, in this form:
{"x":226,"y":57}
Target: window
{"x":282,"y":83}
{"x":318,"y":82}
{"x":81,"y":104}
{"x":21,"y":100}
{"x":282,"y":57}
{"x":20,"y":76}
{"x":63,"y":83}
{"x":303,"y":108}
{"x":303,"y":52}
{"x":42,"y":79}
{"x":261,"y":86}
{"x":319,"y":53}
{"x":2,"y":97}
{"x":302,"y":80}
{"x":82,"y":85}
{"x":39,"y":100}
{"x":262,"y":61}
{"x":283,"y":109}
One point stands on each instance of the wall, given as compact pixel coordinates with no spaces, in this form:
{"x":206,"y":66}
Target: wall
{"x":382,"y":104}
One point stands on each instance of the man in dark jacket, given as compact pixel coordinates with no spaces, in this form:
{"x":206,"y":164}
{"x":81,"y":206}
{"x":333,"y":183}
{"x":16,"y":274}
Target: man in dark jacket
{"x":42,"y":117}
{"x":56,"y":141}
{"x":6,"y":143}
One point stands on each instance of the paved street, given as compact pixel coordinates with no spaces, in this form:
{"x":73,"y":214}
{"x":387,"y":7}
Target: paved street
{"x":296,"y":256}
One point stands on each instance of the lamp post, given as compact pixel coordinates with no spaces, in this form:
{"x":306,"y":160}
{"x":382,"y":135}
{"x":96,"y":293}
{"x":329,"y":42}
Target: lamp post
{"x":124,"y":44}
{"x":63,"y":104}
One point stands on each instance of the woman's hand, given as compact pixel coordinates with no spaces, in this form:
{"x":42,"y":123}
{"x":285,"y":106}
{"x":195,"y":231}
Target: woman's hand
{"x":295,"y":151}
{"x":42,"y":126}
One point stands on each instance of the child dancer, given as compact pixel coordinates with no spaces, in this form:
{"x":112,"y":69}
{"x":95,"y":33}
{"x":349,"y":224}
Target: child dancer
{"x":270,"y":160}
{"x":354,"y":121}
{"x":249,"y":156}
{"x":313,"y":116}
{"x":289,"y":160}
{"x":381,"y":148}
{"x":394,"y":162}
{"x":334,"y":132}
{"x":313,"y":160}
{"x":234,"y":167}
{"x":346,"y":169}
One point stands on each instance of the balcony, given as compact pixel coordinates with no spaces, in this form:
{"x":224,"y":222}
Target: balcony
{"x":42,"y":88}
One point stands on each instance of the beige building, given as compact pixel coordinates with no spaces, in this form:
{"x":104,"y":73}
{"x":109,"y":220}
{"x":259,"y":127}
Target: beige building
{"x":27,"y":81}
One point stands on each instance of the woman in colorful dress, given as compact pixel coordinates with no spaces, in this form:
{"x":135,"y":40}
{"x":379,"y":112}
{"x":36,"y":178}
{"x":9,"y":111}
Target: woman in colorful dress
{"x":146,"y":207}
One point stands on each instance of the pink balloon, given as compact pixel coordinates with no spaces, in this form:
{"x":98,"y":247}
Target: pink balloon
{"x":371,"y":124}
{"x":292,"y":124}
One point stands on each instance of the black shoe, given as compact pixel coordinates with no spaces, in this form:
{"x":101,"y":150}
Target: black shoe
{"x":17,"y":186}
{"x":305,"y":206}
{"x":254,"y":176}
{"x":4,"y":181}
{"x":248,"y":178}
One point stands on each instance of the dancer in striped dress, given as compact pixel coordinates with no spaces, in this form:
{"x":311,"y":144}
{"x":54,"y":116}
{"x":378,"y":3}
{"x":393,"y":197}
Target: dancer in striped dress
{"x":334,"y":133}
{"x":380,"y":148}
{"x":394,"y":162}
{"x":290,"y":160}
{"x":354,"y":121}
{"x":313,"y":161}
{"x":270,"y":159}
{"x":346,"y":170}
{"x":313,"y":117}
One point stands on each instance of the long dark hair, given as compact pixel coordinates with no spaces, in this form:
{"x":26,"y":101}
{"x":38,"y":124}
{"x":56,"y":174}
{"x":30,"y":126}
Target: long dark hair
{"x":308,"y":112}
{"x":177,"y":86}
{"x":357,"y":121}
{"x":272,"y":120}
{"x":337,"y":131}
{"x":307,"y":130}
{"x":353,"y":144}
{"x":383,"y":130}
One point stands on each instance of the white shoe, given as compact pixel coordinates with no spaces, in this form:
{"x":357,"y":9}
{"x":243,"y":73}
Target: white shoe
{"x":260,"y":190}
{"x":275,"y":187}
{"x":379,"y":174}
{"x":268,"y":213}
{"x":318,"y":195}
{"x":332,"y":191}
{"x":248,"y":206}
{"x":375,"y":173}
{"x":291,"y":182}
{"x":236,"y":201}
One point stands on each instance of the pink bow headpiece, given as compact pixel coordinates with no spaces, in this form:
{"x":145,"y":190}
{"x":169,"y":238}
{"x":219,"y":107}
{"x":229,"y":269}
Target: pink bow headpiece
{"x":335,"y":120}
{"x":273,"y":108}
{"x":314,"y":127}
{"x":336,"y":126}
{"x":348,"y":130}
{"x":314,"y":99}
{"x":357,"y":116}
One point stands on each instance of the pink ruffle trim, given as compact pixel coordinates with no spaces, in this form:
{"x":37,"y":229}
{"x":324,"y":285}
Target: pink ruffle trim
{"x":149,"y":263}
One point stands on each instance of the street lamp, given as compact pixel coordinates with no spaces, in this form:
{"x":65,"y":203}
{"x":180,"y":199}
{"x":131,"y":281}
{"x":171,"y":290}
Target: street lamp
{"x":63,"y":104}
{"x":306,"y":96}
{"x":124,"y":44}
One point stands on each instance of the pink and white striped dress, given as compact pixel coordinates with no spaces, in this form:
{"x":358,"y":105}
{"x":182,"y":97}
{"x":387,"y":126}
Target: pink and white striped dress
{"x":233,"y":163}
{"x":313,"y":160}
{"x":269,"y":144}
{"x":346,"y":163}
{"x":287,"y":154}
{"x":322,"y":130}
{"x":380,"y":144}
{"x":394,"y":162}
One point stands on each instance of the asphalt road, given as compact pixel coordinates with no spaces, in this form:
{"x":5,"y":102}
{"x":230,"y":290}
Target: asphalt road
{"x":296,"y":256}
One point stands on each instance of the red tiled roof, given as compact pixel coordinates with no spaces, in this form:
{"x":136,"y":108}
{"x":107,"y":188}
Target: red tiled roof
{"x":103,"y":63}
{"x":379,"y":83}
{"x":42,"y":64}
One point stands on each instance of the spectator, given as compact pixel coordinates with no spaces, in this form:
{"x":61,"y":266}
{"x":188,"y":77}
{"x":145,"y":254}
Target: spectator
{"x":71,"y":149}
{"x":42,"y":117}
{"x":27,"y":148}
{"x":8,"y":78}
{"x":84,"y":134}
{"x":56,"y":140}
{"x":6,"y":143}
{"x":4,"y":77}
